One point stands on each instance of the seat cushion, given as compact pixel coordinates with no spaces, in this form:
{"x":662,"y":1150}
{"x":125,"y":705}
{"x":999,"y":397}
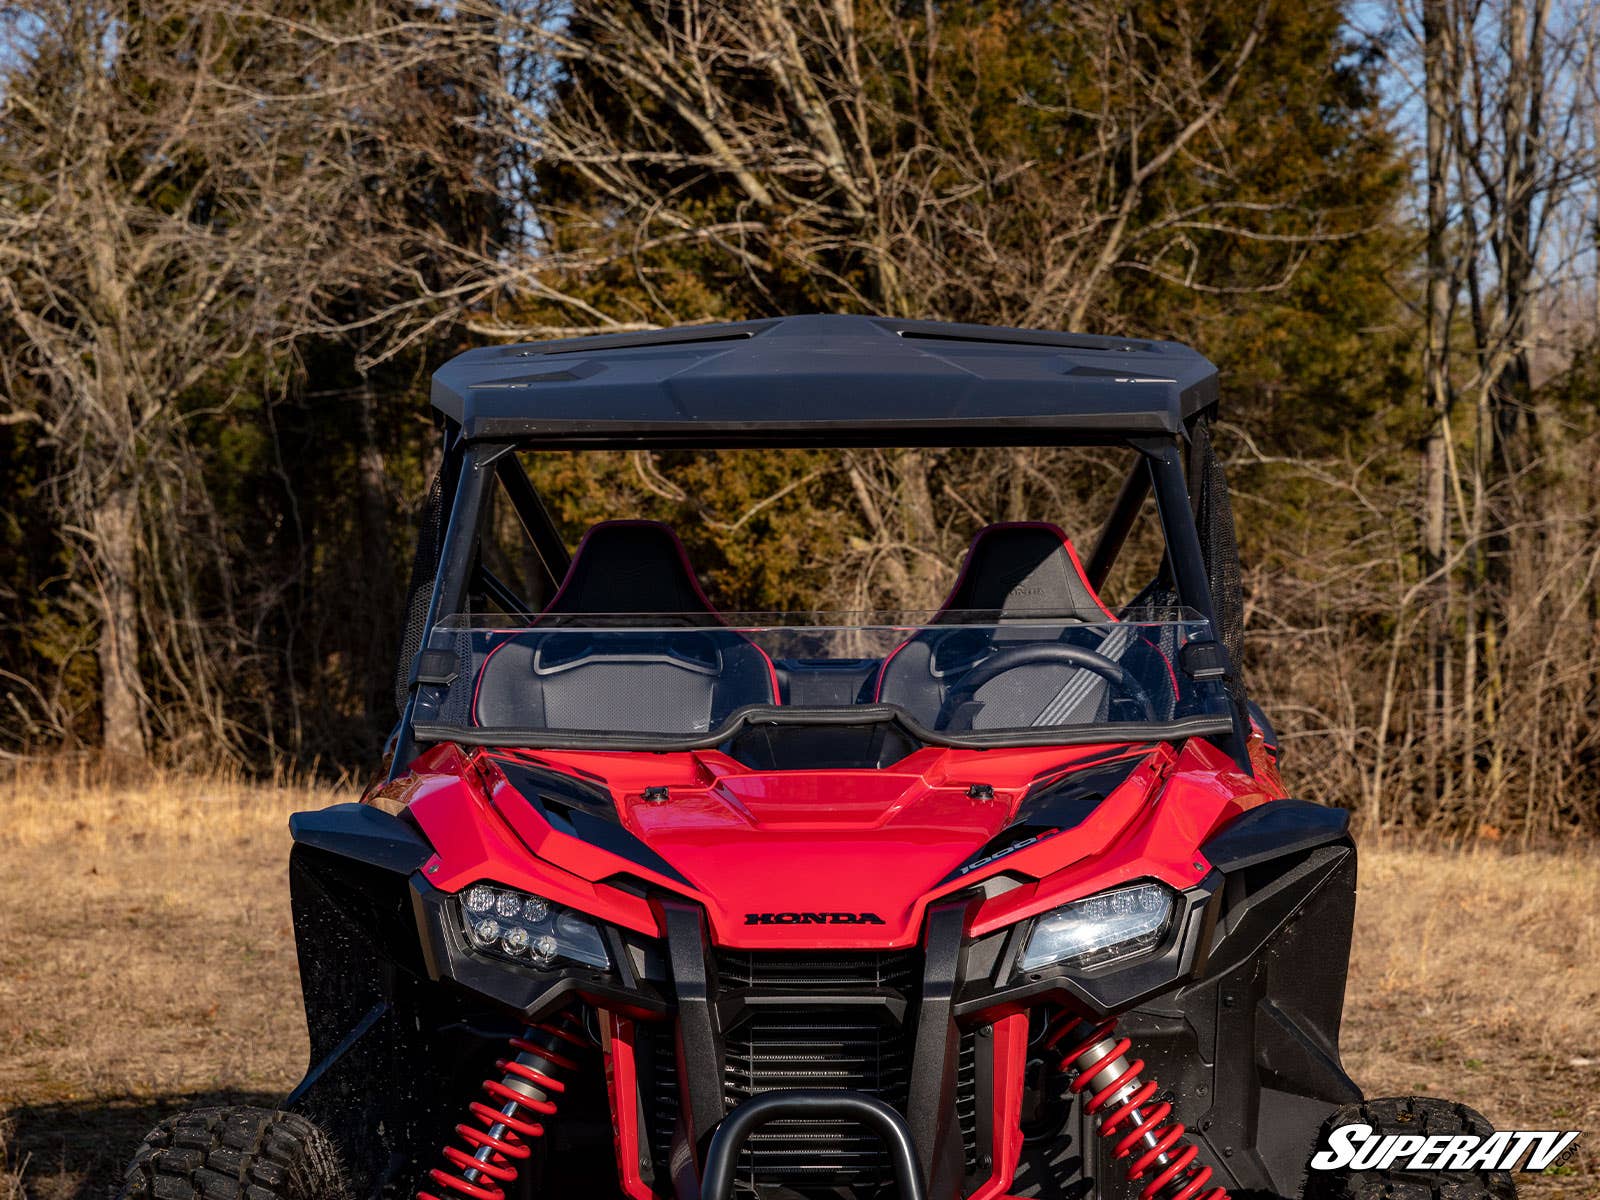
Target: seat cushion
{"x":614,"y":681}
{"x":627,"y":578}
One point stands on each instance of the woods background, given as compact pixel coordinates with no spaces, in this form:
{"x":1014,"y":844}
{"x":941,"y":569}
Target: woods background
{"x":234,"y":241}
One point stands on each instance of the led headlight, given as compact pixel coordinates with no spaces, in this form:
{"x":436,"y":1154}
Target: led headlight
{"x":1104,"y":928}
{"x":505,"y":923}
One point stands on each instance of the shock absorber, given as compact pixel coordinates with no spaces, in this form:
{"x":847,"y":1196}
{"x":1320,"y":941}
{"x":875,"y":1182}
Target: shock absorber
{"x":1096,"y":1061}
{"x":497,"y":1141}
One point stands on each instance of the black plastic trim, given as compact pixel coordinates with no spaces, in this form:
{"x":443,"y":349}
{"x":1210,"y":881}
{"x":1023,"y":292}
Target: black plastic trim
{"x":1274,"y":830}
{"x":936,"y":1052}
{"x":1219,"y":725}
{"x":700,"y":1046}
{"x":364,"y":833}
{"x":733,"y":1004}
{"x":1061,"y":803}
{"x":574,"y":808}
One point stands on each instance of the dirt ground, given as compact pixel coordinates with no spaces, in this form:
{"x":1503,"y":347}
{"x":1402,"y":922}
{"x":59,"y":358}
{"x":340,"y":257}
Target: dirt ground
{"x":147,"y":964}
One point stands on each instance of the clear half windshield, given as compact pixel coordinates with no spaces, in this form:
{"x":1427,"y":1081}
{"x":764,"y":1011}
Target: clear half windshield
{"x":692,"y":679}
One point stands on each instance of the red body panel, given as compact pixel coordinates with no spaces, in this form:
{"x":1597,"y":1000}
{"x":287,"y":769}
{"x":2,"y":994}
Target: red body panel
{"x":622,"y":1087}
{"x":884,"y":842}
{"x":1010,"y":1050}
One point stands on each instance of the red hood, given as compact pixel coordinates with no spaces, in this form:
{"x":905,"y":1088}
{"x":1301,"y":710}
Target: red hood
{"x":790,"y":859}
{"x":867,"y":845}
{"x":772,"y":856}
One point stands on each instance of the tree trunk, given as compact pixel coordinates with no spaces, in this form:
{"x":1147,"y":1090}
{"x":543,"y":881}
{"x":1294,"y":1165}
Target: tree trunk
{"x":116,"y":533}
{"x":919,"y":528}
{"x":374,"y":503}
{"x":1522,"y":123}
{"x":1439,"y":92}
{"x":376,"y":564}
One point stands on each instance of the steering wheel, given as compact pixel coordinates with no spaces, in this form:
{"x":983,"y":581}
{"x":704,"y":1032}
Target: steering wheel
{"x":999,"y":663}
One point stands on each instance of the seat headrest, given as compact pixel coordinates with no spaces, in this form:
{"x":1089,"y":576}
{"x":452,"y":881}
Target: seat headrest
{"x":631,"y":567}
{"x":1024,"y":568}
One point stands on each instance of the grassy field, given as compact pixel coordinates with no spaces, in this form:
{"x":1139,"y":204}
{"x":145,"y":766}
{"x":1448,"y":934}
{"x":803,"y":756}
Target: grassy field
{"x":147,"y":963}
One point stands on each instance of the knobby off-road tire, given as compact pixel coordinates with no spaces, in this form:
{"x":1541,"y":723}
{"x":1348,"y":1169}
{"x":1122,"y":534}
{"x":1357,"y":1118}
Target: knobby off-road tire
{"x":1414,"y":1115}
{"x":236,"y":1153}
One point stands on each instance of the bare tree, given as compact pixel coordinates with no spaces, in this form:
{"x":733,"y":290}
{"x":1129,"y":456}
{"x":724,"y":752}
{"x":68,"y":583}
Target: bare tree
{"x":1440,"y":68}
{"x":1456,"y":675}
{"x":1493,"y":95}
{"x":181,"y":185}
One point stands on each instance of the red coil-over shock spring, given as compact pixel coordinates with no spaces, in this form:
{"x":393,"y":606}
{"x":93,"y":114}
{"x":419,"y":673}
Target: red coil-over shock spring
{"x":1096,"y":1061}
{"x":498,"y":1144}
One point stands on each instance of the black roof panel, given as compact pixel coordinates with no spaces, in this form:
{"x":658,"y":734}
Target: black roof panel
{"x":824,"y":380}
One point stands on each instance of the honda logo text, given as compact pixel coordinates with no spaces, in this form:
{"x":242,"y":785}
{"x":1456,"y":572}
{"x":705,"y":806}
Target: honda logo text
{"x":813,"y":918}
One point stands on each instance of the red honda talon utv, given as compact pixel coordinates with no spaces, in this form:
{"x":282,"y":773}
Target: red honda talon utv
{"x":656,"y":901}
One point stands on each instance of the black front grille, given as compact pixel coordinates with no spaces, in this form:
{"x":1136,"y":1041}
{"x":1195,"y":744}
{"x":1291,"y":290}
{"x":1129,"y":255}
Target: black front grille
{"x":864,"y":1047}
{"x":967,"y":1099}
{"x":819,"y":972}
{"x":656,"y":1058}
{"x":802,"y":1048}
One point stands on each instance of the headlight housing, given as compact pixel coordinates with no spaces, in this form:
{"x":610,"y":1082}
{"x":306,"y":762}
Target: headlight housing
{"x":520,"y":927}
{"x":1109,"y":926}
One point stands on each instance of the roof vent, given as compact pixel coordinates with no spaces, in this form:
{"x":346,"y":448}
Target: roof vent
{"x":660,"y":339}
{"x":1043,"y":343}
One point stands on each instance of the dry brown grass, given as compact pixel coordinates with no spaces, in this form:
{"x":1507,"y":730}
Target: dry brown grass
{"x":147,"y":962}
{"x":146,"y":959}
{"x":1476,"y":975}
{"x":10,"y":1172}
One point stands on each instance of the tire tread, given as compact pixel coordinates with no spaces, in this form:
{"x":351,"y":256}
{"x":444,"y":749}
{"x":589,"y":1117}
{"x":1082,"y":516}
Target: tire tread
{"x":1409,"y":1114}
{"x":234,"y":1153}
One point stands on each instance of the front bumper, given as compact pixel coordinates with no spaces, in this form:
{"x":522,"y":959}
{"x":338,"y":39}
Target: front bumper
{"x":803,"y":1104}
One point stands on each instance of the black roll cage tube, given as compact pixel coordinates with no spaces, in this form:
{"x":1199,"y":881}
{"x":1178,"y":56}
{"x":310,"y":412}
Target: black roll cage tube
{"x":1159,"y":469}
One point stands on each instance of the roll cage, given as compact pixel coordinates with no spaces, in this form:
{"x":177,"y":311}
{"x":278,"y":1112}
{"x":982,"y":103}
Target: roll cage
{"x":827,"y":382}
